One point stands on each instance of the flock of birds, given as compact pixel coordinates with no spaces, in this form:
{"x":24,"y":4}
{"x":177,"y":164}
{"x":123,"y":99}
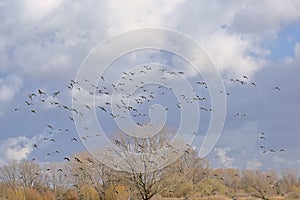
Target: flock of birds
{"x":144,"y":97}
{"x":264,"y":149}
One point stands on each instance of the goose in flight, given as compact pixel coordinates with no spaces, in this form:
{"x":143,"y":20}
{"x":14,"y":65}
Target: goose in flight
{"x":78,"y":160}
{"x":41,"y":92}
{"x":102,"y":108}
{"x":67,"y":159}
{"x":28,"y":103}
{"x":31,"y":95}
{"x":49,"y":126}
{"x":276,"y":88}
{"x":55,"y":94}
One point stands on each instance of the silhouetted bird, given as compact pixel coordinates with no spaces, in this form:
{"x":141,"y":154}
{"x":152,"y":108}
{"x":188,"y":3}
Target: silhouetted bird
{"x":55,"y":94}
{"x":31,"y":95}
{"x":66,"y":158}
{"x":276,"y":88}
{"x":28,"y":103}
{"x":41,"y":92}
{"x":49,"y":126}
{"x":78,"y":160}
{"x":102,"y":108}
{"x":90,"y":160}
{"x":87,"y":107}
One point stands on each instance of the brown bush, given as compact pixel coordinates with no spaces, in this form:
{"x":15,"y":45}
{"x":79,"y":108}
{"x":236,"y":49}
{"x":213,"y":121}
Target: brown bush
{"x":31,"y":194}
{"x":71,"y":195}
{"x":118,"y":192}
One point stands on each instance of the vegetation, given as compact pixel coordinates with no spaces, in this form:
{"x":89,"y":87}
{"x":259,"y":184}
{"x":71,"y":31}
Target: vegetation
{"x":189,"y":176}
{"x":82,"y":177}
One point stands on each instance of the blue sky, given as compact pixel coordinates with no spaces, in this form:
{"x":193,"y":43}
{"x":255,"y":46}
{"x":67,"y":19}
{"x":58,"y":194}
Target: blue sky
{"x":283,"y":46}
{"x":43,"y":44}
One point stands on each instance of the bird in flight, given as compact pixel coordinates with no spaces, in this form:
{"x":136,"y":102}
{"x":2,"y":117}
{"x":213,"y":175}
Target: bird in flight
{"x":41,"y":92}
{"x":88,"y":107}
{"x":67,"y":159}
{"x":55,"y":94}
{"x":276,"y":88}
{"x":262,"y":137}
{"x":28,"y":103}
{"x":31,"y":95}
{"x":102,"y":108}
{"x":78,"y":160}
{"x":49,"y":126}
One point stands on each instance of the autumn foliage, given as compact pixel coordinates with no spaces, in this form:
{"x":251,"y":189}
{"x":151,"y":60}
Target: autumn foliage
{"x":189,"y":177}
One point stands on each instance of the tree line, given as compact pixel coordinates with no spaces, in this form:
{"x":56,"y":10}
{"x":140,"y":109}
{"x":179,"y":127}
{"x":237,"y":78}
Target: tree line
{"x":83,"y":177}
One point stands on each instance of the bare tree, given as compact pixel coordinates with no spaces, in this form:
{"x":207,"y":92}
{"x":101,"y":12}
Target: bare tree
{"x":29,"y":174}
{"x":259,"y":184}
{"x":143,"y":163}
{"x":9,"y":174}
{"x":56,"y":177}
{"x":86,"y":170}
{"x":288,"y":181}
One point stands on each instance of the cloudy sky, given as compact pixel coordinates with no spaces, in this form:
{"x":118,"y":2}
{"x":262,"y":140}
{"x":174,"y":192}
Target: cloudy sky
{"x":43,"y":44}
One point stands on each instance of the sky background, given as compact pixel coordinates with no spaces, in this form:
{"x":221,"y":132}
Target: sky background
{"x":43,"y":43}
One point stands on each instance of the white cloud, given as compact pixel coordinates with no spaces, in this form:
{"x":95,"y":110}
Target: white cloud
{"x":51,"y":38}
{"x":266,"y":17}
{"x":16,"y":148}
{"x":297,"y":52}
{"x":254,"y":164}
{"x":226,"y":160}
{"x":278,"y":159}
{"x":296,"y":58}
{"x":9,"y":87}
{"x":35,"y":9}
{"x":232,"y":53}
{"x":138,"y":15}
{"x":54,"y":46}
